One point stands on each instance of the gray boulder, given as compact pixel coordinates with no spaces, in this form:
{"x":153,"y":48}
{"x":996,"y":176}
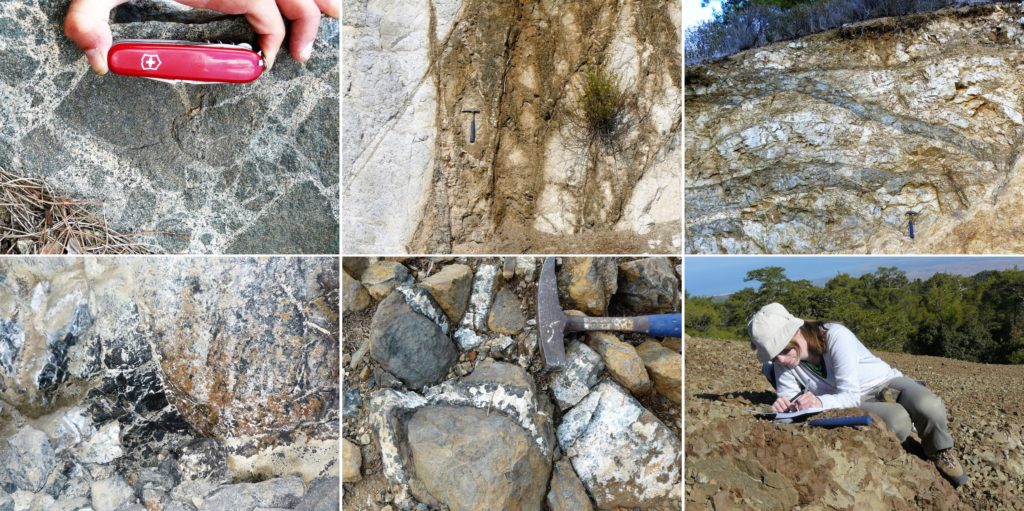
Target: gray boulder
{"x":408,"y":344}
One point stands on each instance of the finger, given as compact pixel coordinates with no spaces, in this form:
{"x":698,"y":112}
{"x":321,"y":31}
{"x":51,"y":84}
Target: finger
{"x":331,"y":8}
{"x":87,"y":24}
{"x":305,"y":16}
{"x":262,"y":15}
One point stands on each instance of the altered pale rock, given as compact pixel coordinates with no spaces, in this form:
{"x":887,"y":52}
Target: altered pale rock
{"x":354,"y":296}
{"x":475,"y":318}
{"x":789,"y":149}
{"x":567,"y":492}
{"x":622,"y":361}
{"x":506,"y":316}
{"x":646,"y":469}
{"x":26,"y":458}
{"x":104,"y":446}
{"x":589,"y":282}
{"x":202,"y":459}
{"x":382,"y":277}
{"x":665,"y":367}
{"x":111,"y":493}
{"x":352,"y":461}
{"x":282,"y":492}
{"x":451,"y":287}
{"x":573,"y":383}
{"x":408,"y":344}
{"x":647,"y":286}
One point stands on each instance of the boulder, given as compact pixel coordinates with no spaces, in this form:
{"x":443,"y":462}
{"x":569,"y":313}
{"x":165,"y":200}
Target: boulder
{"x":27,"y":458}
{"x":506,"y":316}
{"x":111,"y":493}
{"x":352,"y":461}
{"x":646,"y":469}
{"x":408,"y":344}
{"x":621,"y":360}
{"x":382,"y":277}
{"x":574,"y":382}
{"x":665,"y":367}
{"x":589,"y":283}
{"x":354,"y":296}
{"x":567,"y":492}
{"x":281,"y":492}
{"x":648,"y":286}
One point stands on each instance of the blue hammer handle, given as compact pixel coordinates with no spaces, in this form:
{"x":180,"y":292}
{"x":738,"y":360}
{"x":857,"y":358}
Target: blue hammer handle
{"x":665,"y":325}
{"x":838,"y":422}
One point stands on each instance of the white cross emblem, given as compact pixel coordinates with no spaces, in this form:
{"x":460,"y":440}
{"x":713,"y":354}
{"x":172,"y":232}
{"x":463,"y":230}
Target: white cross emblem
{"x":150,"y":62}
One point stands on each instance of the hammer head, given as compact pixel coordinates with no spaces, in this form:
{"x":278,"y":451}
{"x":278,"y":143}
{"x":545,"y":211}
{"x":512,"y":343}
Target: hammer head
{"x":550,"y":318}
{"x":470,"y":110}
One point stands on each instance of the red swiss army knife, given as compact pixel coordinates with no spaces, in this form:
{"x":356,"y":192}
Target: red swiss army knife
{"x":179,"y":61}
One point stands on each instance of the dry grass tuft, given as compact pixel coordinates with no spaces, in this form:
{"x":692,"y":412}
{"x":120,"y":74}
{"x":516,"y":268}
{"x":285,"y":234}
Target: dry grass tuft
{"x":35,"y":220}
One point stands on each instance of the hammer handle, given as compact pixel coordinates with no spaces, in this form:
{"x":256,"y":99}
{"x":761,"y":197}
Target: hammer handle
{"x":658,"y":325}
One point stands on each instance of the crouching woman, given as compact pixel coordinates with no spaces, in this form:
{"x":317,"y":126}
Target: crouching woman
{"x":823,"y":365}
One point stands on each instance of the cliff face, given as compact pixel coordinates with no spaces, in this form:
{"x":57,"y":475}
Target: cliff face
{"x":533,"y":178}
{"x":825,"y":143}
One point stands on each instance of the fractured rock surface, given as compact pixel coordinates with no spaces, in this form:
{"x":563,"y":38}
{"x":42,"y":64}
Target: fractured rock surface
{"x":824,"y":144}
{"x":208,"y":168}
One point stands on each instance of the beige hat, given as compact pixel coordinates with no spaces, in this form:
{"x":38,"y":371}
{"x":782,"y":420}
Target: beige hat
{"x":771,"y":329}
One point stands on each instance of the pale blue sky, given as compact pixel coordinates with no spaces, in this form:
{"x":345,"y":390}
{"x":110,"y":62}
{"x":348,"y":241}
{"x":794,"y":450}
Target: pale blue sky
{"x":718,"y":275}
{"x":694,"y":14}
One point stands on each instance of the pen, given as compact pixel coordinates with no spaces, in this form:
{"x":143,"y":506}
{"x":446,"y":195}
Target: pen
{"x":792,"y":402}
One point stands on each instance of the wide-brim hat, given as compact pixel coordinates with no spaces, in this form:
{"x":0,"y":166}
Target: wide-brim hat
{"x":771,"y":329}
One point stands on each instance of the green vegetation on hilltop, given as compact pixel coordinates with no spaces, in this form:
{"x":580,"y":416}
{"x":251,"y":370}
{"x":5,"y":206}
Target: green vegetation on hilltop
{"x":744,"y":24}
{"x":978,"y":318}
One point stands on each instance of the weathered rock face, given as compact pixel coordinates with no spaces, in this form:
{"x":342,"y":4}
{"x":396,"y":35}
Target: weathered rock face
{"x":533,"y":177}
{"x":169,"y":380}
{"x":220,"y":168}
{"x":825,"y":143}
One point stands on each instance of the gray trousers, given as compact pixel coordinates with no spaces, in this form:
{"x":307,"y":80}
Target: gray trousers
{"x":916,"y":406}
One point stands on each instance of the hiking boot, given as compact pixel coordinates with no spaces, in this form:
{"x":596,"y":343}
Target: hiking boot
{"x":949,"y":466}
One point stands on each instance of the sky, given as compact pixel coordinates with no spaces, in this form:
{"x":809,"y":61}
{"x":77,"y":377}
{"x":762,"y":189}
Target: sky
{"x":694,"y":14}
{"x":720,"y":275}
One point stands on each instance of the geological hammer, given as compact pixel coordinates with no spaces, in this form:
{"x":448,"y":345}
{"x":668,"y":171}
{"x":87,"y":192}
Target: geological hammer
{"x":552,"y":322}
{"x":472,"y":123}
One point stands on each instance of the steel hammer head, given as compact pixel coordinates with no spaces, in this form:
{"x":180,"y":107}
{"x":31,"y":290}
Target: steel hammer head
{"x":550,"y":318}
{"x":470,"y":110}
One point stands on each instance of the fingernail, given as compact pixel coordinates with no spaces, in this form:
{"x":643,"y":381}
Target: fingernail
{"x":306,"y":52}
{"x":97,"y":60}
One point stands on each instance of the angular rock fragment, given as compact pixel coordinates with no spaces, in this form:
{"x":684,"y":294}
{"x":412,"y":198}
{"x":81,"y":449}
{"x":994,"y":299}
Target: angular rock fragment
{"x":354,"y":296}
{"x":648,"y":286}
{"x":589,"y":283}
{"x":352,"y":461}
{"x":475,"y":318}
{"x":408,"y":344}
{"x":382,"y":277}
{"x":622,"y":361}
{"x":27,"y":458}
{"x":506,"y":315}
{"x":567,"y":492}
{"x":281,"y":492}
{"x":646,"y":468}
{"x":450,"y":287}
{"x":111,"y":493}
{"x":574,"y":382}
{"x":665,"y":367}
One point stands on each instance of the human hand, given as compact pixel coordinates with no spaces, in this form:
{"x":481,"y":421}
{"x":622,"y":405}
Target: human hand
{"x":805,"y":400}
{"x":781,"y":405}
{"x":87,"y":24}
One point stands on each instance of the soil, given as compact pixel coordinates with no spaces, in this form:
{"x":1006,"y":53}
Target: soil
{"x":812,"y":468}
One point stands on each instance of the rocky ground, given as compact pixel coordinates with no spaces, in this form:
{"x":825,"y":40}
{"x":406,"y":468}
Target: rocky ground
{"x":168,"y":384}
{"x":734,"y":461}
{"x":446,"y":403}
{"x":195,"y":168}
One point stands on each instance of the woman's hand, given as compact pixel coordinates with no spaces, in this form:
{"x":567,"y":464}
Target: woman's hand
{"x":781,"y":405}
{"x":806,"y":400}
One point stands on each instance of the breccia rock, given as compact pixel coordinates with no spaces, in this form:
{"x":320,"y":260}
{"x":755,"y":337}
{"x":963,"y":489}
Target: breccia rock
{"x":824,"y":144}
{"x":205,"y":169}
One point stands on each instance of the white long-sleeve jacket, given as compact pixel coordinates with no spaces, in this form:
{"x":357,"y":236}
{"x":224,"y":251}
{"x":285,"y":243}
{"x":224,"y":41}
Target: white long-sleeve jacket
{"x":851,"y":369}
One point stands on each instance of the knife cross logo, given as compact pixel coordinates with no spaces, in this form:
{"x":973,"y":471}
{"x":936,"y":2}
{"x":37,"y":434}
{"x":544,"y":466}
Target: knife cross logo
{"x":150,"y":62}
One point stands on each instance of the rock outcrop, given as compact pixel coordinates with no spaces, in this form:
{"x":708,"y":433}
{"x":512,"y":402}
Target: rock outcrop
{"x":168,"y":383}
{"x":205,"y":168}
{"x":734,"y":460}
{"x":825,"y":143}
{"x":534,"y":177}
